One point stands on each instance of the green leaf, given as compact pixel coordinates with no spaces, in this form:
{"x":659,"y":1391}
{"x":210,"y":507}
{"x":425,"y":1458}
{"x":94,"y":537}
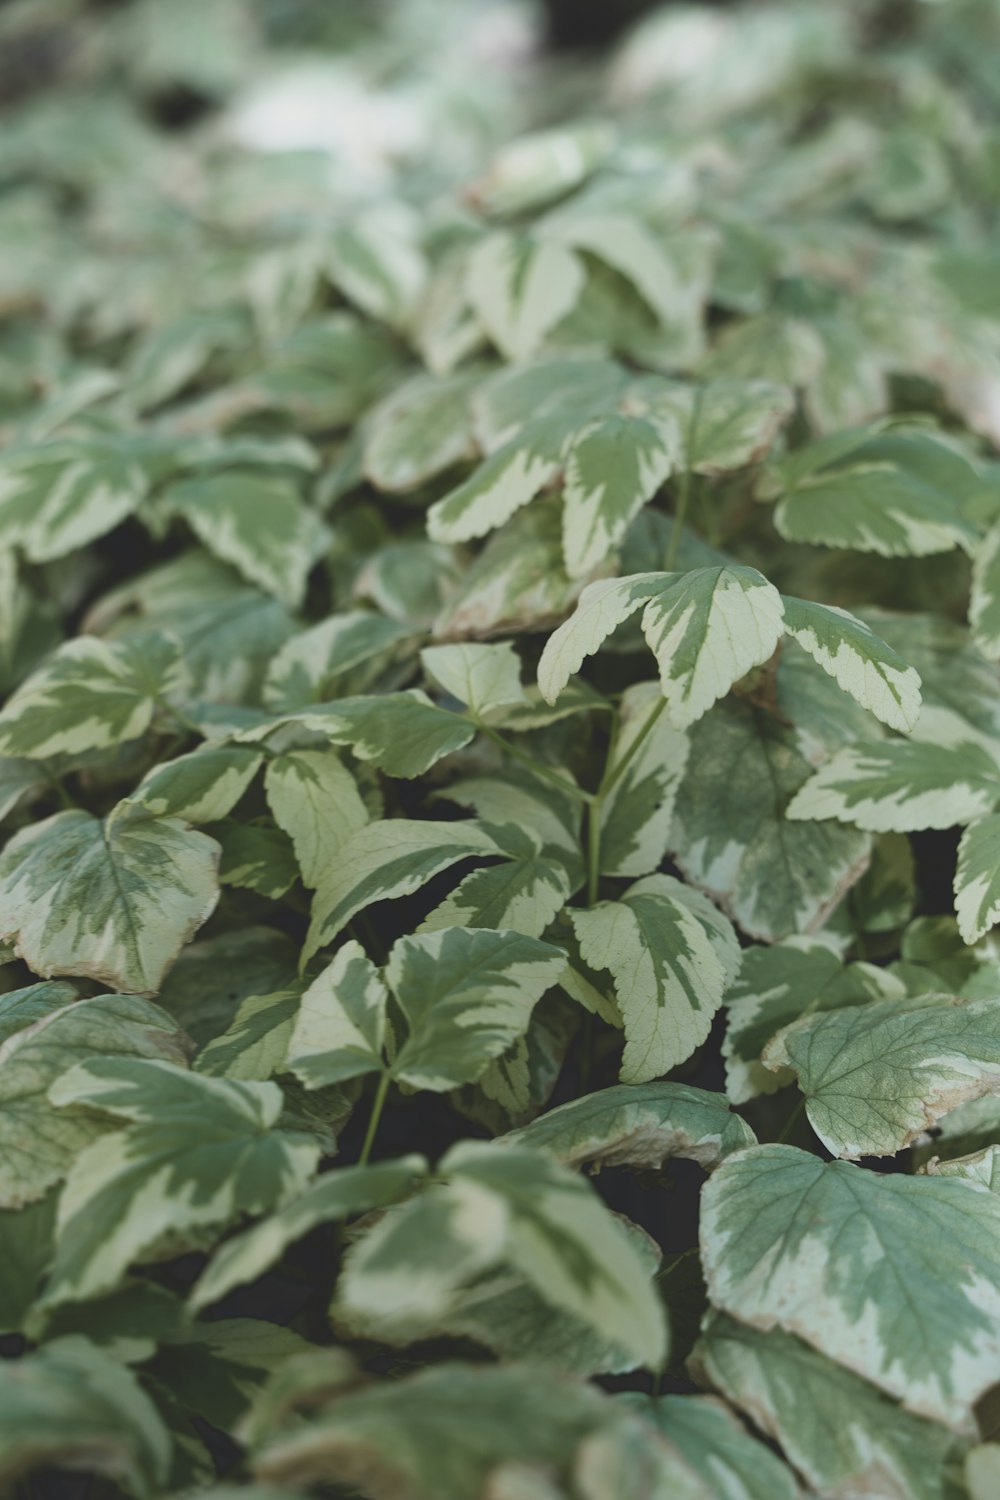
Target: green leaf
{"x":835,"y":1253}
{"x":91,"y":695}
{"x":861,"y":664}
{"x":385,"y":860}
{"x":335,"y":1196}
{"x":637,"y":812}
{"x":340,"y":1029}
{"x":895,"y":495}
{"x":421,"y":430}
{"x":38,"y":1144}
{"x":255,"y":1043}
{"x":719,"y":1448}
{"x":731,"y":835}
{"x":482,"y":677}
{"x":70,"y":1406}
{"x":60,"y":495}
{"x":466,"y":995}
{"x":198,"y":788}
{"x":977,"y":878}
{"x":706,"y":628}
{"x":843,"y":1436}
{"x":255,"y":521}
{"x":725,"y":424}
{"x":537,"y":168}
{"x":200,"y":1153}
{"x":256,"y":857}
{"x":26,"y":1248}
{"x":565,"y":1242}
{"x":615,"y":465}
{"x":373,"y":259}
{"x":876,"y":1076}
{"x":776,"y":985}
{"x":314,"y":667}
{"x":315,"y":799}
{"x":403,"y":734}
{"x":525,"y":893}
{"x":900,"y":785}
{"x":639,"y":1125}
{"x":20,"y":1008}
{"x":575,"y":391}
{"x":503,"y":483}
{"x":984,"y":597}
{"x":669,"y":977}
{"x":114,"y":901}
{"x":520,"y":289}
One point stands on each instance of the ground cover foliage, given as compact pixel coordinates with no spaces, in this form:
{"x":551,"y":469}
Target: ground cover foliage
{"x":500,"y":755}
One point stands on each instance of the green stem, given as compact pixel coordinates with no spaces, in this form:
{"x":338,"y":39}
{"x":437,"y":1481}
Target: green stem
{"x":538,"y":767}
{"x":57,"y":786}
{"x":593,"y":850}
{"x":614,"y":772}
{"x":378,"y":1104}
{"x":683,"y":497}
{"x":791,"y":1121}
{"x":180,"y":717}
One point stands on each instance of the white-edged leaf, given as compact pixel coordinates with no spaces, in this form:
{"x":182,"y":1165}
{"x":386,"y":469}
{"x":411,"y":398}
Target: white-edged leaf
{"x":255,"y":521}
{"x":725,"y":424}
{"x":706,"y":628}
{"x":315,"y":799}
{"x":420,"y":431}
{"x":843,"y":1435}
{"x":902,"y":785}
{"x":403,"y":734}
{"x":199,"y":1153}
{"x":638,"y":1125}
{"x":340,"y":1028}
{"x":833,"y":1253}
{"x":536,"y":168}
{"x":335,"y":1196}
{"x":483,"y":677}
{"x":502,"y":484}
{"x":669,"y":977}
{"x":91,"y":695}
{"x":638,"y":808}
{"x":466,"y":995}
{"x":977,"y":878}
{"x":58,"y":496}
{"x":313,"y":666}
{"x":984,"y":597}
{"x":198,"y":788}
{"x":38,"y":1144}
{"x":390,"y":858}
{"x":115,"y":901}
{"x":719,"y":1448}
{"x":614,"y":466}
{"x":521,"y":288}
{"x":862,"y":664}
{"x":374,"y":260}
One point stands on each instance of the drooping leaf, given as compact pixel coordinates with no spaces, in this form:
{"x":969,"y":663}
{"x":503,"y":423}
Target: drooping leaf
{"x":669,"y":978}
{"x":91,"y":695}
{"x":38,"y":1142}
{"x":863,"y":665}
{"x":71,"y":1406}
{"x":115,"y":901}
{"x":706,"y":629}
{"x":843,"y":1435}
{"x":199,"y":1153}
{"x":876,"y":1076}
{"x":640,"y":1125}
{"x":899,"y":785}
{"x":335,"y":1196}
{"x":832,"y":1253}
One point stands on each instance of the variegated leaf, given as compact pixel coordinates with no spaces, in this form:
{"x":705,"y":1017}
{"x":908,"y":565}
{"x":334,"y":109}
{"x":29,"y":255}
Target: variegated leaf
{"x":843,"y":1435}
{"x":390,"y":858}
{"x":483,"y":677}
{"x":900,"y":785}
{"x":537,"y":168}
{"x":503,"y":483}
{"x":669,"y":977}
{"x":255,"y":521}
{"x":977,"y":878}
{"x":615,"y":465}
{"x":832,"y":1252}
{"x":92,"y":695}
{"x":340,"y":1029}
{"x":876,"y":1076}
{"x":706,"y":628}
{"x":255,"y":1043}
{"x":58,"y":496}
{"x":420,"y":431}
{"x":521,"y":288}
{"x":315,"y":799}
{"x":115,"y":901}
{"x":335,"y":1196}
{"x":725,"y":424}
{"x":37,"y":1143}
{"x":314,"y":667}
{"x":198,"y":788}
{"x":719,"y":1448}
{"x":731,"y":835}
{"x":403,"y":734}
{"x":375,"y":261}
{"x":199,"y":1153}
{"x":638,"y":807}
{"x":638,"y":1125}
{"x":984,"y":598}
{"x":861,"y":663}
